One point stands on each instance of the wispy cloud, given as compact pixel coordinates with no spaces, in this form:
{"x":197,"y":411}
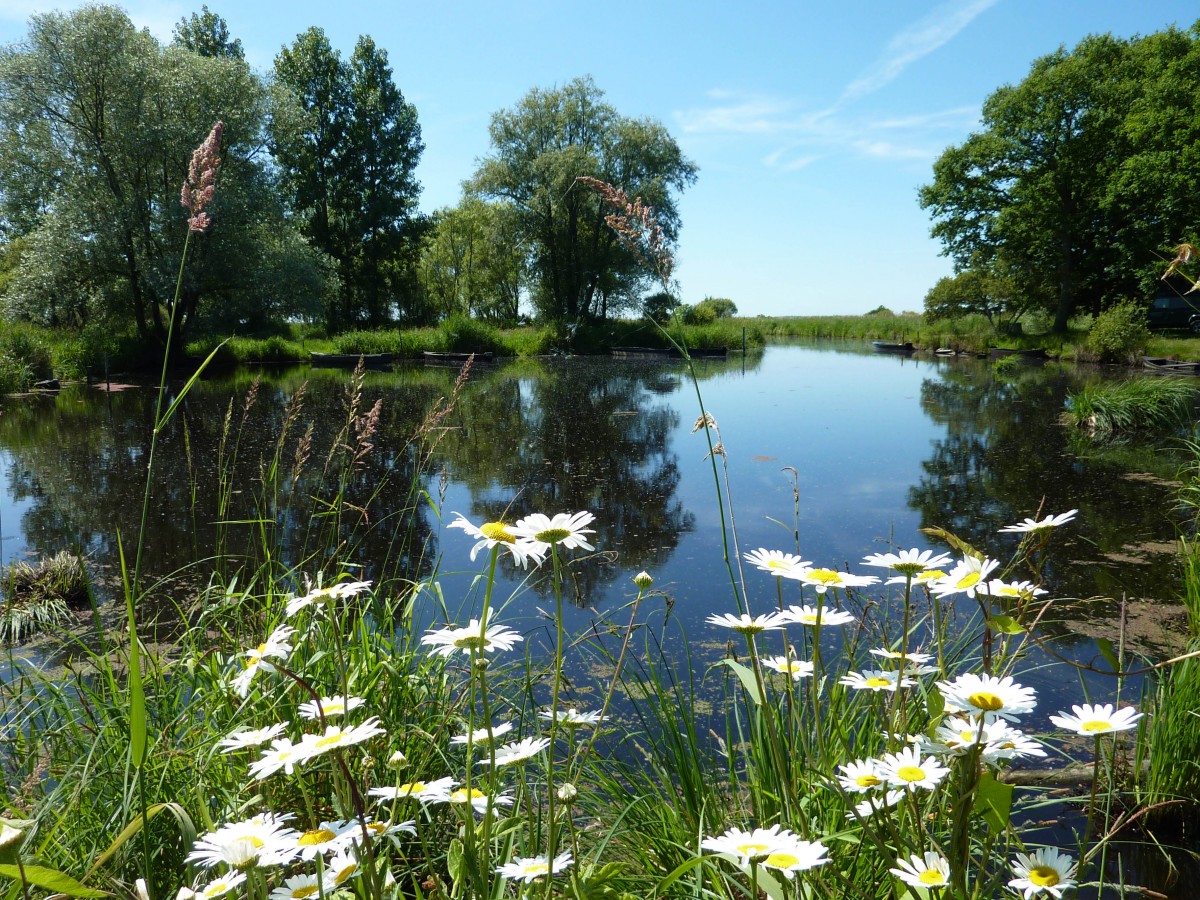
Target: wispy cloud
{"x":915,"y":42}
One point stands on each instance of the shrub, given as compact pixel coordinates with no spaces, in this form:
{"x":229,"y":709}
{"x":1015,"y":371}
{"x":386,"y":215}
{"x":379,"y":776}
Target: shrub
{"x":1119,"y":333}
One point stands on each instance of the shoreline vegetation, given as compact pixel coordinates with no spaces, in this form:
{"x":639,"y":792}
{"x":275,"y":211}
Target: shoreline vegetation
{"x":30,"y":354}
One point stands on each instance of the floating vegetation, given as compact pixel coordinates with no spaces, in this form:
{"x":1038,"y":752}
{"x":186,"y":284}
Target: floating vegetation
{"x":37,"y":596}
{"x":1140,"y":404}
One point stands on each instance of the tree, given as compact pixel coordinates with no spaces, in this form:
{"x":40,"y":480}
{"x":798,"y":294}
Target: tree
{"x":97,"y":127}
{"x":978,"y":292}
{"x":472,"y":263}
{"x":1075,"y":179}
{"x":207,"y":34}
{"x":540,"y":147}
{"x":722,"y":307}
{"x":347,"y":146}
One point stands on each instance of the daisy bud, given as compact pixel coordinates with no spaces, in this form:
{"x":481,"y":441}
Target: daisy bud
{"x":566,"y":793}
{"x":643,"y":580}
{"x":397,"y":758}
{"x":9,"y":836}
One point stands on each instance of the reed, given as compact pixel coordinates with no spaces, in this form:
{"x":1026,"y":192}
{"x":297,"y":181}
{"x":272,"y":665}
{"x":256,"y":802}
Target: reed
{"x":1107,"y":409}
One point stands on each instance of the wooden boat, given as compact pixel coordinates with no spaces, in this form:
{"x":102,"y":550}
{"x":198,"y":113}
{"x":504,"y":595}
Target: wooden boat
{"x":1164,"y":366}
{"x":640,"y":353}
{"x":905,"y":349}
{"x":1000,"y":352}
{"x":454,"y":358}
{"x":350,"y":360}
{"x":704,"y":352}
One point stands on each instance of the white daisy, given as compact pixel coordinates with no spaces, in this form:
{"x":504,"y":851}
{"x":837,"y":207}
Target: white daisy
{"x":481,"y":637}
{"x":926,"y":577}
{"x":220,"y":885}
{"x":1044,"y":871}
{"x":861,"y":776}
{"x":875,"y":803}
{"x":910,"y":659}
{"x":812,"y":615}
{"x":483,"y":735}
{"x":329,"y":594}
{"x":300,"y":887}
{"x":478,"y":799}
{"x":572,"y":717}
{"x":776,"y":562}
{"x":967,"y":576}
{"x":276,"y":646}
{"x":518,"y":752}
{"x":531,"y":868}
{"x":330,"y":706}
{"x":784,"y":665}
{"x":1027,"y":525}
{"x":336,"y":736}
{"x":907,"y":770}
{"x":498,"y":534}
{"x":261,"y":840}
{"x":988,"y":696}
{"x":929,"y":871}
{"x":747,"y":624}
{"x":329,"y":837}
{"x":283,"y":754}
{"x":425,"y":791}
{"x":796,"y":855}
{"x":997,"y":587}
{"x":908,"y":562}
{"x":823,"y":579}
{"x":1092,"y":720}
{"x":564,"y":529}
{"x":240,"y":740}
{"x":341,"y":869}
{"x":875,"y":680}
{"x":746,"y":847}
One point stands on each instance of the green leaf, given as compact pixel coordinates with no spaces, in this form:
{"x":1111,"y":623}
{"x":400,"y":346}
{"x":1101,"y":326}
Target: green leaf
{"x":51,"y":880}
{"x":456,"y":862}
{"x":1005,"y":625}
{"x":1106,"y":650}
{"x":935,"y":703}
{"x":746,"y":676}
{"x":162,"y":423}
{"x":993,"y":800}
{"x":186,"y":828}
{"x":137,"y":696}
{"x":954,"y":541}
{"x":674,"y":875}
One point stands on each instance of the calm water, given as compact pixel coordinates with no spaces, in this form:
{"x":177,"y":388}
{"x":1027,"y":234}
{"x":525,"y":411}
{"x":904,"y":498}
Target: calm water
{"x":877,"y":447}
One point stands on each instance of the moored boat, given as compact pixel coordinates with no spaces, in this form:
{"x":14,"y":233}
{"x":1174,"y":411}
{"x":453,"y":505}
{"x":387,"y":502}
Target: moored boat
{"x":350,"y":360}
{"x":454,"y":358}
{"x":1165,"y":366}
{"x":905,"y":349}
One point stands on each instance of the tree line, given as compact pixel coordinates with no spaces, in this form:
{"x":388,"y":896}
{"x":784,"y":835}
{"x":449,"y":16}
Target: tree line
{"x":316,"y":214}
{"x":1081,"y":179}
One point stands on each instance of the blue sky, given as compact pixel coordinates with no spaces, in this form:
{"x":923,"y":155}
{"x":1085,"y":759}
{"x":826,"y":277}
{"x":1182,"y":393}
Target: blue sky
{"x":813,"y":123}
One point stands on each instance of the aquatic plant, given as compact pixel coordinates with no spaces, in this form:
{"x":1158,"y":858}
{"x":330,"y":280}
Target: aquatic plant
{"x":1108,"y":409}
{"x":42,"y":594}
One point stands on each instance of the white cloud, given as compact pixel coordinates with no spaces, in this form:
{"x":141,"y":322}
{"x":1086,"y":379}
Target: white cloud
{"x":916,"y":42}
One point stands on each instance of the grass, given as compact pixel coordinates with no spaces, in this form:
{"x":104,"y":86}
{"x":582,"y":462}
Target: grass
{"x":42,"y":595}
{"x":1108,"y":409}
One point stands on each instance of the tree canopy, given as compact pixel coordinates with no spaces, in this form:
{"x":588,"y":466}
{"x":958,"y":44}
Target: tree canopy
{"x":540,"y":147}
{"x":1082,"y":174}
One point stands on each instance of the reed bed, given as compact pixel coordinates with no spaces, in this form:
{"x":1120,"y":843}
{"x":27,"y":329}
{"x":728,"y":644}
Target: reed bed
{"x":1106,"y":409}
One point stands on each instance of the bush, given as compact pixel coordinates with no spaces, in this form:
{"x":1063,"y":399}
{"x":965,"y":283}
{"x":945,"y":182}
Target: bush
{"x":697,"y":315}
{"x":1119,"y":334}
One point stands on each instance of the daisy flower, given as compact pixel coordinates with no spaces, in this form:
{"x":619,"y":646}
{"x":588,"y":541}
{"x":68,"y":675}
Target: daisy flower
{"x":283,"y":754}
{"x":910,"y":659}
{"x":747,"y":624}
{"x":784,"y":665}
{"x":1027,"y":525}
{"x":796,"y":855}
{"x":531,"y":868}
{"x":220,"y":885}
{"x":331,"y":836}
{"x":988,"y":696}
{"x":300,"y":887}
{"x":875,"y":680}
{"x":425,"y":791}
{"x":326,"y":595}
{"x":1044,"y":871}
{"x":999,"y":588}
{"x":908,"y":562}
{"x":483,"y":735}
{"x":572,"y":717}
{"x":813,"y":615}
{"x":748,"y":846}
{"x":823,"y":579}
{"x":1093,"y":720}
{"x":498,"y":534}
{"x":518,"y":752}
{"x":776,"y":562}
{"x":565,"y":529}
{"x":240,"y":740}
{"x":330,"y":706}
{"x":377,"y":829}
{"x":336,"y":736}
{"x":860,"y":776}
{"x":929,"y":871}
{"x":965,"y":578}
{"x":927,"y":577}
{"x":262,"y":840}
{"x":276,"y":646}
{"x":907,"y":770}
{"x":478,"y":799}
{"x":475,"y":636}
{"x":875,"y":803}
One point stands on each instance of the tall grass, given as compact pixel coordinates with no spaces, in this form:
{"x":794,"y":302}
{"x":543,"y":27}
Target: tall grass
{"x":1141,"y":404}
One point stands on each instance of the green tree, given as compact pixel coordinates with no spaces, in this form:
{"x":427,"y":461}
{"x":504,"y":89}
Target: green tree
{"x":97,"y":126}
{"x":977,"y":292}
{"x":539,"y":148}
{"x":1076,"y":172}
{"x":347,"y":146}
{"x":207,"y":34}
{"x":722,"y":307}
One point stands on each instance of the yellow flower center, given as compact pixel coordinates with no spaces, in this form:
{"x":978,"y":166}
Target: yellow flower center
{"x":911,"y":773}
{"x":537,"y":868}
{"x":967,"y":581}
{"x":868,"y":781}
{"x":825,"y":576}
{"x":413,"y":787}
{"x":1044,"y":876}
{"x":985,"y":700}
{"x":781,"y":860}
{"x":462,"y":795}
{"x":553,"y":535}
{"x":932,"y":877}
{"x":930,"y":575}
{"x":331,"y":740}
{"x":1096,"y":726}
{"x":753,"y":849}
{"x":1008,"y":591}
{"x":498,"y":531}
{"x":307,"y":891}
{"x":376,"y":828}
{"x":334,"y":708}
{"x":876,"y":682}
{"x":967,"y":737}
{"x":345,"y":872}
{"x":312,"y":838}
